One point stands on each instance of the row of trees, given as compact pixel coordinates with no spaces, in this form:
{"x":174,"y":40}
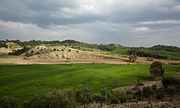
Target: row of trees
{"x":166,"y":48}
{"x":145,"y":54}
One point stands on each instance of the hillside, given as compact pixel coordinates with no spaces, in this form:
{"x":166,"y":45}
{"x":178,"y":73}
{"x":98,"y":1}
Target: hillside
{"x":70,"y":51}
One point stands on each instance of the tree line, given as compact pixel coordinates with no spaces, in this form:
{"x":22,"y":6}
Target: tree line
{"x":166,"y":48}
{"x":137,"y":52}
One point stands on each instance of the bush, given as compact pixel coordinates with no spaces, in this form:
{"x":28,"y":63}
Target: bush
{"x":156,"y":69}
{"x":170,"y":81}
{"x":8,"y":102}
{"x":147,"y":91}
{"x":20,"y":51}
{"x":83,"y":95}
{"x":3,"y":44}
{"x":154,"y":87}
{"x":57,"y":99}
{"x":54,"y":49}
{"x":138,"y":94}
{"x":99,"y":98}
{"x":171,"y":90}
{"x":159,"y":96}
{"x":160,"y":93}
{"x":107,"y":95}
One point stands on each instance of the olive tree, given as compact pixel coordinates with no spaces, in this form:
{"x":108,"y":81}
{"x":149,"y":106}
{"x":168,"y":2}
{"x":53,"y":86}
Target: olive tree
{"x":156,"y":69}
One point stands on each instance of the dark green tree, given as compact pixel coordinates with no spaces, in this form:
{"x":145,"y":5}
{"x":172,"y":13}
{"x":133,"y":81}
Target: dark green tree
{"x":156,"y":69}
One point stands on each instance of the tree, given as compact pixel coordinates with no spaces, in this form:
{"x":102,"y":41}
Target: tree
{"x":156,"y":69}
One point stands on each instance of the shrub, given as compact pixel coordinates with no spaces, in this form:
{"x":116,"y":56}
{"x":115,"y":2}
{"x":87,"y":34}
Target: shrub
{"x":83,"y":95}
{"x":8,"y":102}
{"x":159,"y":96}
{"x":156,"y":69}
{"x":139,"y":94}
{"x":170,"y":81}
{"x":109,"y":97}
{"x":3,"y":44}
{"x":154,"y":87}
{"x":160,"y":93}
{"x":99,"y":98}
{"x":57,"y":99}
{"x":171,"y":90}
{"x":147,"y":91}
{"x":20,"y":51}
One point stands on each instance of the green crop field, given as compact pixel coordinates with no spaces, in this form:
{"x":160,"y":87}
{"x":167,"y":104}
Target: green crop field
{"x":24,"y":81}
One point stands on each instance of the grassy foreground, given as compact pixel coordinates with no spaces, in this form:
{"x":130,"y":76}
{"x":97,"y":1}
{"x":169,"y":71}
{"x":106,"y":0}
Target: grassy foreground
{"x":24,"y":81}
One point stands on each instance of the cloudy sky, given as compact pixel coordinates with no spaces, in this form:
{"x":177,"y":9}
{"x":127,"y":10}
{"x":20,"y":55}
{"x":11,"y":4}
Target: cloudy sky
{"x":125,"y":22}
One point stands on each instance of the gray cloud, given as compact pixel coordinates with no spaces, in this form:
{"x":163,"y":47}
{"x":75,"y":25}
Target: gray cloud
{"x":127,"y":22}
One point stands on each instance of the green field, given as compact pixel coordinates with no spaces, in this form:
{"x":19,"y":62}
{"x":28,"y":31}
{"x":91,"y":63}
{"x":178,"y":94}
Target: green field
{"x":24,"y":81}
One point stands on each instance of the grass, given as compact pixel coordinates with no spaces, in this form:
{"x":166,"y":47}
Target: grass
{"x":24,"y":81}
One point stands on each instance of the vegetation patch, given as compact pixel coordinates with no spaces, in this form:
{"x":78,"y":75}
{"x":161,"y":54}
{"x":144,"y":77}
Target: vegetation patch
{"x":24,"y":81}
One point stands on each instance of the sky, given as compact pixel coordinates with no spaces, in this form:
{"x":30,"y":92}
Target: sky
{"x":125,"y":22}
